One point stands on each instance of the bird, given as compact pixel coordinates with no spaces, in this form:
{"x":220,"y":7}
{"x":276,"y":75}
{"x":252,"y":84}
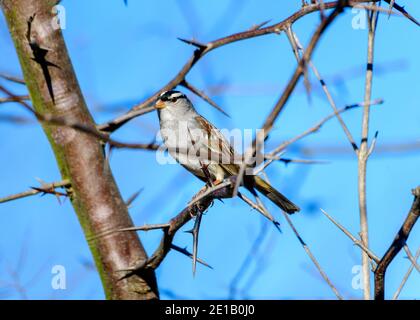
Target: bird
{"x":203,"y":150}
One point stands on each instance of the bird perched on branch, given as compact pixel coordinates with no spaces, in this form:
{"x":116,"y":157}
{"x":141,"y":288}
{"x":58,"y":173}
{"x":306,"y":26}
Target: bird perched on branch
{"x":203,"y":150}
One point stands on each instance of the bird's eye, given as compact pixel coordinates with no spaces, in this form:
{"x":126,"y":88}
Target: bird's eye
{"x":174,"y":99}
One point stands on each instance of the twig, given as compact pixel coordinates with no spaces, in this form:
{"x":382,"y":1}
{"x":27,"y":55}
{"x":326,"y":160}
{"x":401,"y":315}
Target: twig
{"x":363,"y":153}
{"x":44,"y":188}
{"x":294,"y":40}
{"x":356,"y":241}
{"x":201,"y":195}
{"x":13,"y":99}
{"x":199,"y":45}
{"x":411,"y":257}
{"x":383,"y":149}
{"x":203,"y":96}
{"x":314,"y":129}
{"x":334,"y":106}
{"x":398,"y":243}
{"x":133,"y":197}
{"x":402,"y":10}
{"x":312,"y":257}
{"x":259,"y":26}
{"x":12,"y":78}
{"x":257,"y":207}
{"x":91,"y":130}
{"x":297,"y":50}
{"x":189,"y":255}
{"x":391,"y":5}
{"x":146,"y":227}
{"x":407,"y":275}
{"x":288,"y":160}
{"x":248,"y":259}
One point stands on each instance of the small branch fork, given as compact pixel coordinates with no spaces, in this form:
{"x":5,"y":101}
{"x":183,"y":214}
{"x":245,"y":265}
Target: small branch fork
{"x":396,"y":245}
{"x":170,"y":229}
{"x":399,"y":242}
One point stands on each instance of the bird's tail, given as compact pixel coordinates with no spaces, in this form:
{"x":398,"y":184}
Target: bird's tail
{"x":276,"y":197}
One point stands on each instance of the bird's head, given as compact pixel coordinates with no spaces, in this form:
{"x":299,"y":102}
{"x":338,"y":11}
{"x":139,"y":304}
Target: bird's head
{"x":172,"y":100}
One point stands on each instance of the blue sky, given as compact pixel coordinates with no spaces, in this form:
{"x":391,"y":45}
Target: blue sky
{"x":122,"y":54}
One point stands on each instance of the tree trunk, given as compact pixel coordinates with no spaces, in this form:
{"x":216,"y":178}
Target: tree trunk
{"x":54,"y":90}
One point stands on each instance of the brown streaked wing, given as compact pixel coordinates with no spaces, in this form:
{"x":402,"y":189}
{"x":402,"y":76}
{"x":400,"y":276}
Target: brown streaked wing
{"x":217,"y":143}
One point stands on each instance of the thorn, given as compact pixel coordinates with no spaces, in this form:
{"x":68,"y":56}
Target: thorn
{"x":373,"y":144}
{"x":188,"y":254}
{"x":203,"y":96}
{"x":258,"y":26}
{"x":195,"y":233}
{"x":133,"y":197}
{"x":277,"y":225}
{"x":194,"y":43}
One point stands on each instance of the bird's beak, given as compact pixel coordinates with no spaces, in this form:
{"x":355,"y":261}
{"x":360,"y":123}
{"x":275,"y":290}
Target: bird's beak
{"x":160,"y":104}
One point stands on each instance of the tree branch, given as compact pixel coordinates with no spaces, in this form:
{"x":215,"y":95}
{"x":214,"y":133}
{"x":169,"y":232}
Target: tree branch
{"x":398,"y":243}
{"x":203,"y":49}
{"x":363,"y":153}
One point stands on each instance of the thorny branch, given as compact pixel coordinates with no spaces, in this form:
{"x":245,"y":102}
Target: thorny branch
{"x":45,"y":188}
{"x":299,"y":71}
{"x":203,"y":49}
{"x":396,"y":245}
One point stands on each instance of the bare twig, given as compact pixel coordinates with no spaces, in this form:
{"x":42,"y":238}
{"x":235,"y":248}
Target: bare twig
{"x":294,"y":40}
{"x":407,"y":275}
{"x":411,"y":258}
{"x":257,"y":207}
{"x":189,"y":255}
{"x":398,"y":243}
{"x":132,"y":198}
{"x":233,"y":287}
{"x":312,"y":257}
{"x":13,"y":99}
{"x":146,"y":227}
{"x":311,"y":130}
{"x":68,"y":123}
{"x":12,"y":78}
{"x":402,"y":10}
{"x":203,"y":96}
{"x":363,"y":153}
{"x":356,"y":241}
{"x":380,"y":150}
{"x":391,"y":5}
{"x":44,"y":188}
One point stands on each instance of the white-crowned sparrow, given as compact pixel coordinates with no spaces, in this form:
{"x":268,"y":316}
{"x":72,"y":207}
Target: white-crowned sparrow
{"x":201,"y":148}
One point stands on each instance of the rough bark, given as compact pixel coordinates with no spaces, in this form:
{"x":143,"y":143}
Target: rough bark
{"x":54,"y":90}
